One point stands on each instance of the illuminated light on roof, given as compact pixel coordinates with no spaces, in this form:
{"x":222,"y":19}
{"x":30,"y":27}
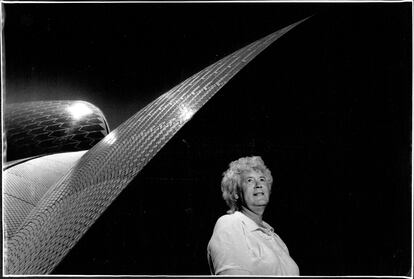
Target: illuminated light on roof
{"x":186,"y":112}
{"x":110,"y":138}
{"x":79,"y":110}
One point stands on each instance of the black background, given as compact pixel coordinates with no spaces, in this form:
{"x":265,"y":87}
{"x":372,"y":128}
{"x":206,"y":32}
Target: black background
{"x":327,"y":106}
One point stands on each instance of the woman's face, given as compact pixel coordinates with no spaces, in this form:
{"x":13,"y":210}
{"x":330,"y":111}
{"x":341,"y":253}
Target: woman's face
{"x":254,"y":189}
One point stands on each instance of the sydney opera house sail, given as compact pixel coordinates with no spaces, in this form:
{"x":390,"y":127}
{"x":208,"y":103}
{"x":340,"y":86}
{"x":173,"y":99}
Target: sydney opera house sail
{"x":43,"y":233}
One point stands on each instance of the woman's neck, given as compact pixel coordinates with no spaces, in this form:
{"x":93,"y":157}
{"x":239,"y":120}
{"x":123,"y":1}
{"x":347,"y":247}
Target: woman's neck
{"x":256,"y":215}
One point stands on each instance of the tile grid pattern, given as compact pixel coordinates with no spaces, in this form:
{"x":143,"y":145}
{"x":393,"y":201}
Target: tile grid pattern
{"x":71,"y":206}
{"x":27,"y":182}
{"x":46,"y":127}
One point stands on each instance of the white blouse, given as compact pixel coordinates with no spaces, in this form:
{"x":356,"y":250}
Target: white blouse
{"x":239,"y":243}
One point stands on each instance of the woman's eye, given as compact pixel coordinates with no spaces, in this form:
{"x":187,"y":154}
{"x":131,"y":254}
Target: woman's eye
{"x":262,"y":179}
{"x":249,"y":180}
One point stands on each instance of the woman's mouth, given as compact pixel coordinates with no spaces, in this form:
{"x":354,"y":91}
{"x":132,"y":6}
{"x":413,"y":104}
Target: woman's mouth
{"x":258,"y":194}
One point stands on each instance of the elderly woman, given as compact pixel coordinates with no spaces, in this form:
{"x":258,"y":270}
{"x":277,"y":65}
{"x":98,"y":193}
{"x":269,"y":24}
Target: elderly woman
{"x":242,"y":243}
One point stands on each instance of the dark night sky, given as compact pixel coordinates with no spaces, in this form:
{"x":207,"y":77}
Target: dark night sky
{"x":328,"y":107}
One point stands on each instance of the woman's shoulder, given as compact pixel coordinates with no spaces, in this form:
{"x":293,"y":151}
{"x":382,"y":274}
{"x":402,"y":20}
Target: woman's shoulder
{"x":229,"y":220}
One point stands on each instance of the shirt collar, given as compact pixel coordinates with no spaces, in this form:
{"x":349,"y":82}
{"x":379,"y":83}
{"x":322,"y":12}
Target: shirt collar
{"x":250,"y":224}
